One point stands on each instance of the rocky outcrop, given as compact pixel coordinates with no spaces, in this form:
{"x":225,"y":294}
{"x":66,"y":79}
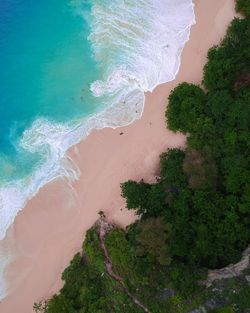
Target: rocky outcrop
{"x":231,"y":270}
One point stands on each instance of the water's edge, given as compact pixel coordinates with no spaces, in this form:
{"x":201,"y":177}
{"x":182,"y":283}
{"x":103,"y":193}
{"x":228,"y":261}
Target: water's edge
{"x":56,"y":139}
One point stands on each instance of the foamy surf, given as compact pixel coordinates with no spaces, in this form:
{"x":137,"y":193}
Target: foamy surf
{"x":146,"y":39}
{"x":137,"y":46}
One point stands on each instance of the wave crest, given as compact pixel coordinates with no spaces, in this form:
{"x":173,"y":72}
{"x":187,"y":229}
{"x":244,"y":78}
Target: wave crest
{"x":146,"y":39}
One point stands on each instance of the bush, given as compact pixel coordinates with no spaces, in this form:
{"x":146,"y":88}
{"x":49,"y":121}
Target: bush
{"x":243,"y":6}
{"x":186,"y":104}
{"x":137,"y":195}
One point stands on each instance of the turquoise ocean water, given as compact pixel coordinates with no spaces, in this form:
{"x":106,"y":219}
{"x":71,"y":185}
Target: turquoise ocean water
{"x":68,"y":66}
{"x":46,"y":67}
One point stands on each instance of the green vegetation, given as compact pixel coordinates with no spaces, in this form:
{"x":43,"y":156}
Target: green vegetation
{"x":204,"y":191}
{"x":194,"y":218}
{"x":87,"y":286}
{"x":243,"y":6}
{"x":230,"y":295}
{"x":186,"y":107}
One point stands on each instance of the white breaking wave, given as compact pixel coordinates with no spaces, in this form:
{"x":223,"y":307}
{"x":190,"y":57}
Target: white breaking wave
{"x":147,"y":38}
{"x":138,"y":45}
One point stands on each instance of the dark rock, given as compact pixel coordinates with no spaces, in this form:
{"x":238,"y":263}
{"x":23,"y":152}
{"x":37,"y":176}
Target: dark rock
{"x":166,"y":293}
{"x":197,"y":311}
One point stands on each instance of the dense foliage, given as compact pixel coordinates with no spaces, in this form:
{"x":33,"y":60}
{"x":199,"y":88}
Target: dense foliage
{"x":204,"y":191}
{"x":187,"y":106}
{"x":243,"y":6}
{"x":87,"y":287}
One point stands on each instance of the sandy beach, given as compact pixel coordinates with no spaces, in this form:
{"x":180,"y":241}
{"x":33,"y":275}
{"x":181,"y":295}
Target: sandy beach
{"x":50,"y":229}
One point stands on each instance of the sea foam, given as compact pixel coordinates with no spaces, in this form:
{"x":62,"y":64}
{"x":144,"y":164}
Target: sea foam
{"x":137,"y":45}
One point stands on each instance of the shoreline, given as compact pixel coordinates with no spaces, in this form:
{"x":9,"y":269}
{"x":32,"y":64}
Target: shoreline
{"x":44,"y":250}
{"x":43,"y":130}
